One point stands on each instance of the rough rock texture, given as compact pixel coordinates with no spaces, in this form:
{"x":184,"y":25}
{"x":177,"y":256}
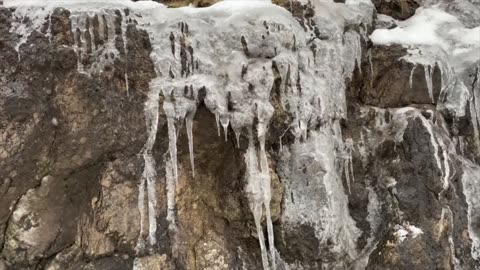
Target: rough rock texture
{"x":398,"y":9}
{"x":367,"y":171}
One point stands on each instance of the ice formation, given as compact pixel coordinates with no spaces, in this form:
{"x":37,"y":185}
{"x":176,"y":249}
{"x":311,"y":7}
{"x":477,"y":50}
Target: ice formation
{"x":434,"y":37}
{"x":237,"y":84}
{"x":233,"y":75}
{"x":149,"y":174}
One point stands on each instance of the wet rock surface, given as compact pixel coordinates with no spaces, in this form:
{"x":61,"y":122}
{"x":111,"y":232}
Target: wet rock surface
{"x":398,"y":9}
{"x":374,"y":177}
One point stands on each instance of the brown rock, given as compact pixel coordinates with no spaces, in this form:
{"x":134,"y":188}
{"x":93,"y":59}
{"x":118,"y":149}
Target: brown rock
{"x":398,"y":9}
{"x":387,"y":80}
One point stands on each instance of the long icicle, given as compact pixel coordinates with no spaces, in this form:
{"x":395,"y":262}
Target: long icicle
{"x":141,"y":209}
{"x":172,"y":142}
{"x":171,"y":186}
{"x":255,"y":194}
{"x":267,"y":194}
{"x":149,"y":173}
{"x":189,"y":127}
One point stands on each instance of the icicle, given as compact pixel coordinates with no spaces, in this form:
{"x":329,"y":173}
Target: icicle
{"x":271,"y":240}
{"x":141,"y":209}
{"x":358,"y":53}
{"x":189,"y":127}
{"x":351,"y":167}
{"x":172,"y":142}
{"x":349,"y":142}
{"x":429,"y":79}
{"x":225,"y":121}
{"x":149,"y":171}
{"x":171,"y":182}
{"x":303,"y":129}
{"x":266,"y":188}
{"x":101,"y":28}
{"x":347,"y":174}
{"x":348,"y":164}
{"x":217,"y":120}
{"x":237,"y":137}
{"x":461,"y":145}
{"x":255,"y":194}
{"x":411,"y":75}
{"x":150,"y":175}
{"x":124,"y":38}
{"x":172,"y":225}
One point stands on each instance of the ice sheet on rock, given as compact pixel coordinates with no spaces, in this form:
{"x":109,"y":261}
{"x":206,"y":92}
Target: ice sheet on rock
{"x":316,"y":195}
{"x":394,"y":130}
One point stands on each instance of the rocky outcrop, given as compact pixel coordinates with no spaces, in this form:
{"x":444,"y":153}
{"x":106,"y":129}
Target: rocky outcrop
{"x":139,"y":137}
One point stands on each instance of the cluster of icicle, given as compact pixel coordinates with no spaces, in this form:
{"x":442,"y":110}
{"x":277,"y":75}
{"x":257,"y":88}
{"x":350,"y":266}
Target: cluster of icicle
{"x":94,"y":34}
{"x":454,"y":95}
{"x":96,"y":29}
{"x":235,"y":61}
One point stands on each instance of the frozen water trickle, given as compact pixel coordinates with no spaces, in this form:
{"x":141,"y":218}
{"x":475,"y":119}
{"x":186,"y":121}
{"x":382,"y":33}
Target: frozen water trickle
{"x":410,"y":81}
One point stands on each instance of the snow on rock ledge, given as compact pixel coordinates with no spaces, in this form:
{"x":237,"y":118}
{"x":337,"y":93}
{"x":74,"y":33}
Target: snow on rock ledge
{"x":435,"y":37}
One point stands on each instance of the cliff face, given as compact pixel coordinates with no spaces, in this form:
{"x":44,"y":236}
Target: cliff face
{"x":239,"y":136}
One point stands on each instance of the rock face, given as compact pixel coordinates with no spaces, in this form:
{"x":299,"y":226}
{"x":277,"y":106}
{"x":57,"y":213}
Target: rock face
{"x":234,"y":137}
